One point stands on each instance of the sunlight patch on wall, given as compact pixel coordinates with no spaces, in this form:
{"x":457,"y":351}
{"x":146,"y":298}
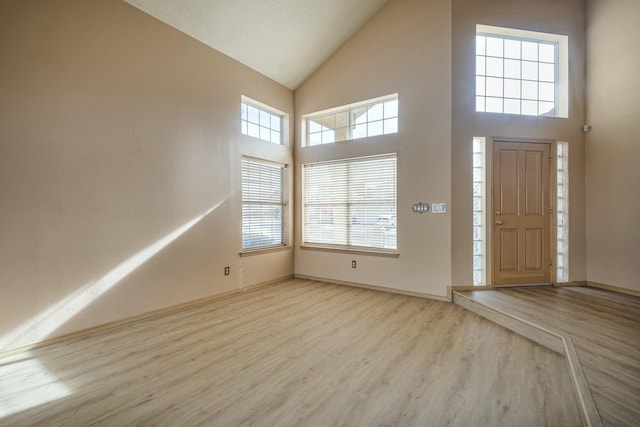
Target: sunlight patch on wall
{"x":26,"y":383}
{"x":42,"y":325}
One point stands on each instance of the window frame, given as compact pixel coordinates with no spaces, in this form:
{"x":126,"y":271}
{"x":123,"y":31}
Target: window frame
{"x":282,"y":203}
{"x":245,"y":122}
{"x":348,"y":204}
{"x":350,"y":125}
{"x":560,"y":82}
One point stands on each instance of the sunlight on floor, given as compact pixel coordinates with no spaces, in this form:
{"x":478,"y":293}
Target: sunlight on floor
{"x":42,"y":325}
{"x":26,"y":384}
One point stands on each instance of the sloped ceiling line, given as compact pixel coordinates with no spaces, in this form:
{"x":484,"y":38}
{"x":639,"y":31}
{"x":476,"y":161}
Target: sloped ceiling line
{"x":286,"y":40}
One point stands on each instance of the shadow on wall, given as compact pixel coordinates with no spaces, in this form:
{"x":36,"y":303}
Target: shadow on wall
{"x":42,"y":325}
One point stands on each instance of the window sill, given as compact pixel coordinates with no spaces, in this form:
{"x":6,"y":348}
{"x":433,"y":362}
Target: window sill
{"x":260,"y":251}
{"x":346,"y":250}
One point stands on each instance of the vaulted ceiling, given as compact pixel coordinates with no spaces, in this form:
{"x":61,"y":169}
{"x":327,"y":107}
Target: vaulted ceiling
{"x":286,"y":40}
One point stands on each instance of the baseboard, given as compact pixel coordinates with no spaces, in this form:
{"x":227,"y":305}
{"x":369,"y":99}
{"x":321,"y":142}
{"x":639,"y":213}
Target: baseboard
{"x":471,"y":288}
{"x":139,"y":317}
{"x":613,"y":288}
{"x":492,"y":287}
{"x":377,"y":288}
{"x":572,"y":284}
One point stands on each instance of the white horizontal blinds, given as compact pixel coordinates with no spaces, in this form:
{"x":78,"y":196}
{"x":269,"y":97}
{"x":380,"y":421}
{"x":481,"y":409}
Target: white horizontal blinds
{"x":264,"y":219}
{"x":351,"y":202}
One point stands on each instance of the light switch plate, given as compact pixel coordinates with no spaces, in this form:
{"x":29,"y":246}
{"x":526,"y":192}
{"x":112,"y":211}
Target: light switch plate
{"x":438,"y":207}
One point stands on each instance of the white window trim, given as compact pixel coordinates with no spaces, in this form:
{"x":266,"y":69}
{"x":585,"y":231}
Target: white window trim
{"x":348,"y":108}
{"x":284,"y":119}
{"x":563,"y":59}
{"x":285,"y":244}
{"x":362,"y":250}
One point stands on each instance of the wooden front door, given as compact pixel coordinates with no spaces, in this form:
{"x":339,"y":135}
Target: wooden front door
{"x":521,"y":216}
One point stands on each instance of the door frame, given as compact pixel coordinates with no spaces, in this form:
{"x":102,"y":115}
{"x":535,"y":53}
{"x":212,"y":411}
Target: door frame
{"x":553,"y":184}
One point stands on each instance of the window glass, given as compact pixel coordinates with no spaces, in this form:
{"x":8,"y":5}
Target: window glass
{"x":516,"y":75}
{"x":259,"y":122}
{"x":362,"y":120}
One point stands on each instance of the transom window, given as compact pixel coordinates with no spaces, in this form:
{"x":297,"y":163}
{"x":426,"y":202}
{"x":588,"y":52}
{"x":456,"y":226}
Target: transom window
{"x":368,"y":118}
{"x":518,"y":72}
{"x":351,"y":203}
{"x":260,"y":121}
{"x":264,"y":204}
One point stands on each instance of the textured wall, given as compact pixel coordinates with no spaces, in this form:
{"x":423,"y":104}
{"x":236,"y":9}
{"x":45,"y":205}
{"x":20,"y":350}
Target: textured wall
{"x":613,"y":145}
{"x":117,"y":133}
{"x":405,"y":48}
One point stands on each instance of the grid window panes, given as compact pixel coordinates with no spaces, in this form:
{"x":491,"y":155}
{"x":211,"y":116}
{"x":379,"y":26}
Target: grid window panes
{"x":562,"y":214}
{"x":264,"y":204}
{"x":479,"y":212}
{"x":351,"y":203}
{"x":516,"y":76}
{"x":260,"y":123}
{"x":369,"y":118}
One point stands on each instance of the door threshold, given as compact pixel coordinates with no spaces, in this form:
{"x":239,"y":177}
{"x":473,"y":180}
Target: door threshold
{"x":522,"y":285}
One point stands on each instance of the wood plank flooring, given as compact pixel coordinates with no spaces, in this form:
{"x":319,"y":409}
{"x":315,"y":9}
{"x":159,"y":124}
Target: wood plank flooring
{"x":605,"y":328}
{"x":297,"y":353}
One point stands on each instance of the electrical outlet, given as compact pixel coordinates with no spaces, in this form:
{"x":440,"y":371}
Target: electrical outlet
{"x":353,"y":264}
{"x":226,"y":271}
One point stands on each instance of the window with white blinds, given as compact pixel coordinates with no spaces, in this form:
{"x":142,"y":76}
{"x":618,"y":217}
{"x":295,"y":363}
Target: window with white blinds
{"x":264,"y":204}
{"x":351,"y":203}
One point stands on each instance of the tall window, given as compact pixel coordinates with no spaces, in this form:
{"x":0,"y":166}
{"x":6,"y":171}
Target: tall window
{"x":479,"y":212}
{"x":260,"y":122}
{"x":364,"y":119}
{"x":562,"y":214}
{"x":519,"y":72}
{"x":351,"y":203}
{"x":264,"y":204}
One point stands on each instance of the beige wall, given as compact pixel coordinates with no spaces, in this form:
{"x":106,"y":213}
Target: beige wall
{"x":565,"y":17}
{"x":115,"y":131}
{"x":613,"y":145}
{"x":406,"y":49}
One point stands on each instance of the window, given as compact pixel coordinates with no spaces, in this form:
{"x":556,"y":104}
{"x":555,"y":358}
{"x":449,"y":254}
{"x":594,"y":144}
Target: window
{"x":562,"y":214}
{"x":361,"y":120}
{"x":264,"y":204}
{"x":260,"y":121}
{"x":351,"y":203}
{"x":520,"y":72}
{"x":479,"y":212}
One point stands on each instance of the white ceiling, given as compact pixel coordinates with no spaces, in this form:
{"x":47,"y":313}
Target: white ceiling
{"x":286,"y":40}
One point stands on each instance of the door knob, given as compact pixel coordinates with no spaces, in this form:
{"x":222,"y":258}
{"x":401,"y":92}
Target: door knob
{"x":499,"y":222}
{"x":498,"y":213}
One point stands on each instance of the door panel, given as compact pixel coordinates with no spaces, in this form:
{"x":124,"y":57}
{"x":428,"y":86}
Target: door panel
{"x":521,"y":200}
{"x":509,"y":182}
{"x":509,"y":250}
{"x":533,"y":244}
{"x":533,"y":181}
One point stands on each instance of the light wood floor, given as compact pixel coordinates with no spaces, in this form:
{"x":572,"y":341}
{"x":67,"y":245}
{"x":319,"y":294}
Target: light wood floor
{"x":605,"y":328}
{"x":298,"y":353}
